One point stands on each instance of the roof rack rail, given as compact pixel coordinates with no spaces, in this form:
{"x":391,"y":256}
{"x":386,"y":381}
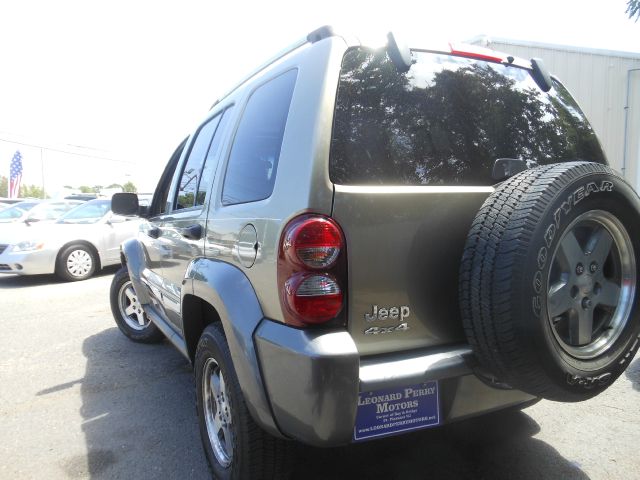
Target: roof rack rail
{"x":316,"y":35}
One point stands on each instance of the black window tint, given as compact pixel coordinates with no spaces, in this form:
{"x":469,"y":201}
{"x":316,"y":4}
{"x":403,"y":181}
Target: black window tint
{"x":159,"y":203}
{"x":188,"y":184}
{"x":447,"y":120}
{"x":253,"y":161}
{"x":211,"y":162}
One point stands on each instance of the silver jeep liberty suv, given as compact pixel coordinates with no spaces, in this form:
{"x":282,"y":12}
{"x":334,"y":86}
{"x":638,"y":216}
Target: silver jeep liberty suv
{"x":362,"y":242}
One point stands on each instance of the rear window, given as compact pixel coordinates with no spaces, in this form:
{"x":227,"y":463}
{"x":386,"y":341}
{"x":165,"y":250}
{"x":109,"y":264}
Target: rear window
{"x":447,"y":120}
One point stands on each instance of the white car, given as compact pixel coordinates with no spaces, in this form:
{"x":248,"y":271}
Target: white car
{"x":81,"y":242}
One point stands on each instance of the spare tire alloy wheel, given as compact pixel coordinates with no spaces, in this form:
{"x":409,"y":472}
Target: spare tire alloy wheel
{"x":548,"y":280}
{"x":592,"y":282}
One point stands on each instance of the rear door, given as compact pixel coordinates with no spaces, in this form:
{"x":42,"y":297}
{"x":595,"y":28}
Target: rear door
{"x":183,"y":228}
{"x":150,"y":231}
{"x":412,"y":157}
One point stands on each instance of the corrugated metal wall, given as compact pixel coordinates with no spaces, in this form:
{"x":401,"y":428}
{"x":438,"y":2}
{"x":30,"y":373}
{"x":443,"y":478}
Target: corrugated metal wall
{"x":598,"y":81}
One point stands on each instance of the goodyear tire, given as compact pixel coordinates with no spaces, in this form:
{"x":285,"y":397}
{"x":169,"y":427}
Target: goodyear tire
{"x":548,"y":289}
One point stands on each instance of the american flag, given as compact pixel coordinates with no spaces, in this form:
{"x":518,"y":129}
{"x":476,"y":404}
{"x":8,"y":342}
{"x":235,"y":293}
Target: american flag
{"x":16,"y":175}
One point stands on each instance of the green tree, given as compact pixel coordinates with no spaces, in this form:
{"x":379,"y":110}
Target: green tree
{"x":115,"y":185}
{"x":129,"y":187}
{"x":4,"y":187}
{"x":633,"y":9}
{"x":31,"y":191}
{"x":85,"y":189}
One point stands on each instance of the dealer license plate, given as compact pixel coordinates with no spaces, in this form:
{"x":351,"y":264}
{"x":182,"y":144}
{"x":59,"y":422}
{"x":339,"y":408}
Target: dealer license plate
{"x":396,"y":410}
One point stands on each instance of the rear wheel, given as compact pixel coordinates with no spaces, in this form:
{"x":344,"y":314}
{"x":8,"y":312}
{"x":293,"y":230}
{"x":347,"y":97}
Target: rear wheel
{"x":235,"y":446}
{"x":128,"y":313}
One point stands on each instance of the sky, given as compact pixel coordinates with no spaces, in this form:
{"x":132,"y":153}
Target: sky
{"x":99,"y":92}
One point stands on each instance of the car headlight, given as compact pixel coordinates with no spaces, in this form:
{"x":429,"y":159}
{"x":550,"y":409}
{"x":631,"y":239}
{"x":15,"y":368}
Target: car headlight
{"x":28,"y":246}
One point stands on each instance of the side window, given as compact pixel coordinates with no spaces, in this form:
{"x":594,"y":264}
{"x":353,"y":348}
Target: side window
{"x":159,"y":203}
{"x":253,"y":161}
{"x":188,"y":184}
{"x":211,"y":162}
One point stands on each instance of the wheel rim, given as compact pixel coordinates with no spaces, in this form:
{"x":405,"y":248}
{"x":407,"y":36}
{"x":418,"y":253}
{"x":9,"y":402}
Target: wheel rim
{"x":591,"y":284}
{"x":130,"y":307}
{"x":79,"y":263}
{"x":217,"y":412}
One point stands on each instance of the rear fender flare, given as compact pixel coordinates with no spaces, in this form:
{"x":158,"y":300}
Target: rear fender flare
{"x":228,"y":290}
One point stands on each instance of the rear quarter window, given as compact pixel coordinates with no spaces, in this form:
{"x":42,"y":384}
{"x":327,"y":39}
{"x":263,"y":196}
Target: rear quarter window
{"x":447,"y":120}
{"x":253,"y":161}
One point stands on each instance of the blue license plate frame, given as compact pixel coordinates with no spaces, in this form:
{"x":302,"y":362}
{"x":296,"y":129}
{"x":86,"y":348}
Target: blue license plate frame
{"x":396,"y":410}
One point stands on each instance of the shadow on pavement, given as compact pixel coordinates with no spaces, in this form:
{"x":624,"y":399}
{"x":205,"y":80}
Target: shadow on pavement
{"x":140,"y":422}
{"x":633,"y":374}
{"x":496,"y":446}
{"x":10,"y":281}
{"x":139,"y":412}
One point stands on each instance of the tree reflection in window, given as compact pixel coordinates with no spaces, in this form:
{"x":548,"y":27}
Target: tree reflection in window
{"x":447,"y":120}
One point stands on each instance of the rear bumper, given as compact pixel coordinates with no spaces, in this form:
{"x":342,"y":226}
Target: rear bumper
{"x":313,"y":380}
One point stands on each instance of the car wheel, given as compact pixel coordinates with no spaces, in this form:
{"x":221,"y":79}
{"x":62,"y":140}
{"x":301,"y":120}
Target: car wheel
{"x":128,"y":313}
{"x":235,"y":446}
{"x":76,"y":262}
{"x":548,"y":280}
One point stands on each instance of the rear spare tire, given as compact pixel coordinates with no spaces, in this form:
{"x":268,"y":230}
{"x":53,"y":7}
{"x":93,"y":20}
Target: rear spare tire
{"x":548,"y":280}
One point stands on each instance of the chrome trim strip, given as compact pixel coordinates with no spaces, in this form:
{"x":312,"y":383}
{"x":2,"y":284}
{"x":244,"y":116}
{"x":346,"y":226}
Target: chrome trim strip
{"x":411,"y":189}
{"x":410,"y":367}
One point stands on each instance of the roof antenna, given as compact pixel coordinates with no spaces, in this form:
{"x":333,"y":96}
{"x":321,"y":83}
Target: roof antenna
{"x":399,"y":53}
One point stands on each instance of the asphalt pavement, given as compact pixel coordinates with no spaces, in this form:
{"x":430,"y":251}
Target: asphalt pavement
{"x":79,"y":400}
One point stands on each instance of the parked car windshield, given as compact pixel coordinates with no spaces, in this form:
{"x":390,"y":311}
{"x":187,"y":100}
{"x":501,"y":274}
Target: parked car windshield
{"x":90,"y":212}
{"x":447,"y":120}
{"x":16,"y":211}
{"x":50,"y":210}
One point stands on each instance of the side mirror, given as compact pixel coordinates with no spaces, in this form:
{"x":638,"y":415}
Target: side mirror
{"x":125,"y":204}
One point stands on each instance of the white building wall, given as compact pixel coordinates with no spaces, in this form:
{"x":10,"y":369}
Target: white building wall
{"x":598,"y":81}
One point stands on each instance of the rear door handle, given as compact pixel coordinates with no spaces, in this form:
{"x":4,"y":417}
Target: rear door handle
{"x":154,"y":232}
{"x":192,"y":232}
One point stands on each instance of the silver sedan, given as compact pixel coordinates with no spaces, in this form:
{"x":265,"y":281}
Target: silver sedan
{"x":81,"y":242}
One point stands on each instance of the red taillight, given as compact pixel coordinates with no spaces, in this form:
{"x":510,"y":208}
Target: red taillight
{"x":312,"y":270}
{"x":313,"y":242}
{"x":315,"y":298}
